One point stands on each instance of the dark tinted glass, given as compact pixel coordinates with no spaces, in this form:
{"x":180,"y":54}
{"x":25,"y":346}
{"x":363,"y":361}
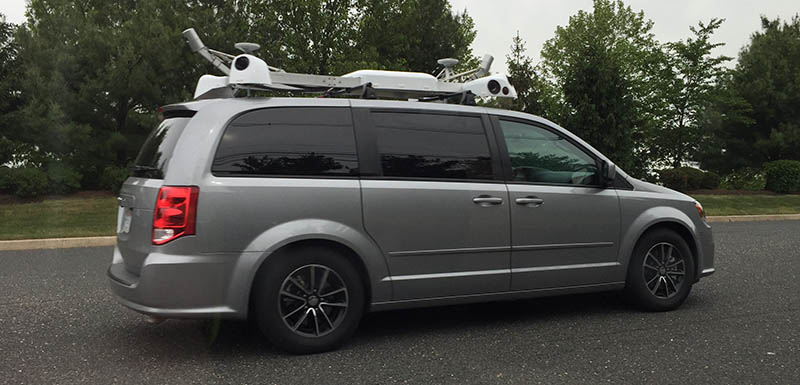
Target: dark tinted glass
{"x":420,"y":145}
{"x":289,"y":141}
{"x":539,"y":155}
{"x":157,"y":149}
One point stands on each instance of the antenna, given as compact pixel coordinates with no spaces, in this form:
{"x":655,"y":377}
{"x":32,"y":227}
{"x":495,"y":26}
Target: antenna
{"x":246,"y":71}
{"x":247,"y":47}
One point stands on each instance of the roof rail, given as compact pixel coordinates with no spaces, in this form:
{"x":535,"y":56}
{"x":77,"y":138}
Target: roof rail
{"x":248,"y":72}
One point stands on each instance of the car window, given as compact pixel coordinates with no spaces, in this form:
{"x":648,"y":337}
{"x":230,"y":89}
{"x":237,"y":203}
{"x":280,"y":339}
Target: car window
{"x":301,"y":141}
{"x":435,"y":146}
{"x":540,"y":155}
{"x":158,"y":147}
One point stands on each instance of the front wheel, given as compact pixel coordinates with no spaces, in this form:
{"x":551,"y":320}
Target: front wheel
{"x":309,"y":300}
{"x":661,"y":271}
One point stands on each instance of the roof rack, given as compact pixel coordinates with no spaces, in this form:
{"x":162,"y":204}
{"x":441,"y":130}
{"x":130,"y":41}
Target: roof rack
{"x":248,"y":72}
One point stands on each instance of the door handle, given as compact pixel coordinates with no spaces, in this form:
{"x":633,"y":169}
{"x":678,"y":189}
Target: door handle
{"x":486,"y":200}
{"x":529,"y":201}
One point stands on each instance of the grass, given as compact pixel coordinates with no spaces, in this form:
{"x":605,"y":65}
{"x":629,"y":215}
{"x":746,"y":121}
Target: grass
{"x":749,"y":204}
{"x":80,"y":215}
{"x":93,"y":214}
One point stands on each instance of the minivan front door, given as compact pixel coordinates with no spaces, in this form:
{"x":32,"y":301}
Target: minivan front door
{"x":437,"y":210}
{"x":565,"y":226}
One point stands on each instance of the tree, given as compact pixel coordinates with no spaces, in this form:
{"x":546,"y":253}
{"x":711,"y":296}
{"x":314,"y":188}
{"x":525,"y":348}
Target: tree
{"x":606,"y":65}
{"x":530,"y":87}
{"x":693,"y":79}
{"x":411,"y":35}
{"x":767,"y":78}
{"x":93,"y":73}
{"x":11,"y":98}
{"x":754,"y":116}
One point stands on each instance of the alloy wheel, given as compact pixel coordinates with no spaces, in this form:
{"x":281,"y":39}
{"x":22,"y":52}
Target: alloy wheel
{"x":313,"y":300}
{"x":664,"y":270}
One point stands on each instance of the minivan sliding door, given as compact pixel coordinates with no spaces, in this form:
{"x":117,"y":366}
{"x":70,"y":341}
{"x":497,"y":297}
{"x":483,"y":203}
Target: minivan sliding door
{"x":435,"y":206}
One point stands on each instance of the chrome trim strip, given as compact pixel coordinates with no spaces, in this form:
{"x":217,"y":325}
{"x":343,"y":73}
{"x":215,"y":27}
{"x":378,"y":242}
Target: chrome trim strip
{"x":563,"y":246}
{"x":450,"y":251}
{"x":564,"y":267}
{"x":498,"y":271}
{"x":445,"y":275}
{"x":500,"y":294}
{"x":490,"y":249}
{"x":707,"y":272}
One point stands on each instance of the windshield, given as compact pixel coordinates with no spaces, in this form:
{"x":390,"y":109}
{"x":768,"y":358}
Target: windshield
{"x":157,"y":149}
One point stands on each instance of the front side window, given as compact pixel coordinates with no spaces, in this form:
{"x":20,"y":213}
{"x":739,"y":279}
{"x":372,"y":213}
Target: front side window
{"x":542,"y":156}
{"x":432,"y":146}
{"x":295,"y":141}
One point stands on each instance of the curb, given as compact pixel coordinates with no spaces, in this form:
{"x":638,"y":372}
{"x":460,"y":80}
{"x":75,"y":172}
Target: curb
{"x":754,"y":218}
{"x":57,"y":243}
{"x":65,"y":243}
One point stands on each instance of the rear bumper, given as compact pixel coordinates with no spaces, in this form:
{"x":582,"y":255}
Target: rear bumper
{"x":173,"y":286}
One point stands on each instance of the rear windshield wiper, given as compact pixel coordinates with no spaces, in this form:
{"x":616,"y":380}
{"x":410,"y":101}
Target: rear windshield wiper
{"x":143,"y":170}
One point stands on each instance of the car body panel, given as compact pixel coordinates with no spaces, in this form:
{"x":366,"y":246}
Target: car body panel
{"x":571,"y":239}
{"x":437,"y":241}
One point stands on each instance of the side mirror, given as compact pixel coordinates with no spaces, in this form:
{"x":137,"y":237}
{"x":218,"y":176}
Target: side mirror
{"x":608,"y":171}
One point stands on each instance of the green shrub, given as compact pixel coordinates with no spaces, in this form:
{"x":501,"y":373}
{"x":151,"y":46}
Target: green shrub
{"x":29,"y":182}
{"x":710,"y":181}
{"x":674,"y":178}
{"x":6,"y":182}
{"x":747,"y":178}
{"x":113,"y":177}
{"x":694,"y":178}
{"x":62,"y":178}
{"x":688,"y":178}
{"x":783,"y":176}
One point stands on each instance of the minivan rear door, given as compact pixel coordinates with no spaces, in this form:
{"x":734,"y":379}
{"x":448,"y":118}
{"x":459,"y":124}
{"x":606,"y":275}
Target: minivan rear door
{"x":137,"y":198}
{"x":564,"y":224}
{"x":432,"y":202}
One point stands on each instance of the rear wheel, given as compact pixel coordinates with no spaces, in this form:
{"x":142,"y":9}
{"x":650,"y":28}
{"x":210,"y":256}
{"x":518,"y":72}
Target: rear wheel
{"x":661,"y":271}
{"x":309,"y":300}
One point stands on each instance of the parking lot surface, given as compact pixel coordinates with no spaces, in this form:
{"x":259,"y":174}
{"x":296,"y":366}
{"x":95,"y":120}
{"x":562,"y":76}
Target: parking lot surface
{"x":60,"y":324}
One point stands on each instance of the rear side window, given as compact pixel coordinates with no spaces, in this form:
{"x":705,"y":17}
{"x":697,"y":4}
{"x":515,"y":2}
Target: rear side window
{"x":436,"y":146}
{"x":156,"y":152}
{"x":297,"y":141}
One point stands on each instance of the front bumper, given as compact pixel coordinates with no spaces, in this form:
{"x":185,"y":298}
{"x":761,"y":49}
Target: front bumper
{"x":706,"y":244}
{"x":171,"y":286}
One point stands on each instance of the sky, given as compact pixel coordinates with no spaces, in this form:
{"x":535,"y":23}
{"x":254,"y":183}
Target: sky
{"x":497,"y":21}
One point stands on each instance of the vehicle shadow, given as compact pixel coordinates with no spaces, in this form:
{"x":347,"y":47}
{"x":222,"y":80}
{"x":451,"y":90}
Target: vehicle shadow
{"x":242,"y":337}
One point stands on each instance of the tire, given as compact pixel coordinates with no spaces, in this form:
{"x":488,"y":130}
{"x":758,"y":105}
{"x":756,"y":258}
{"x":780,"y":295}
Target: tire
{"x":661,"y":271}
{"x":302,"y":319}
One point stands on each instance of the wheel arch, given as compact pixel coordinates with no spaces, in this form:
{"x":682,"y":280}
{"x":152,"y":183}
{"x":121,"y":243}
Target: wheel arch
{"x":338,"y":247}
{"x":360,"y":250}
{"x":662,"y":218}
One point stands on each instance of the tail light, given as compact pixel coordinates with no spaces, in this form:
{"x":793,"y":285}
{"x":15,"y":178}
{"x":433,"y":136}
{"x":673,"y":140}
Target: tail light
{"x":175,"y":213}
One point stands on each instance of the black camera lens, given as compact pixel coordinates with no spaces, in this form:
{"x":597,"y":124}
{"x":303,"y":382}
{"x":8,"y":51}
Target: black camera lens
{"x":241,"y":63}
{"x":494,"y":86}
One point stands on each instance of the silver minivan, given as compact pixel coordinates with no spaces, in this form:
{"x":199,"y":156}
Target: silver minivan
{"x":305,"y":213}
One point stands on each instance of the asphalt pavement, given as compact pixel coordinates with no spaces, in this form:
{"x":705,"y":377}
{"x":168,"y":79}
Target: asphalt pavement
{"x":60,"y":324}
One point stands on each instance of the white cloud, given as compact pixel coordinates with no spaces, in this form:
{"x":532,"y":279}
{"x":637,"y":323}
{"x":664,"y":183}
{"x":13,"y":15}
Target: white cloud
{"x":14,"y":10}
